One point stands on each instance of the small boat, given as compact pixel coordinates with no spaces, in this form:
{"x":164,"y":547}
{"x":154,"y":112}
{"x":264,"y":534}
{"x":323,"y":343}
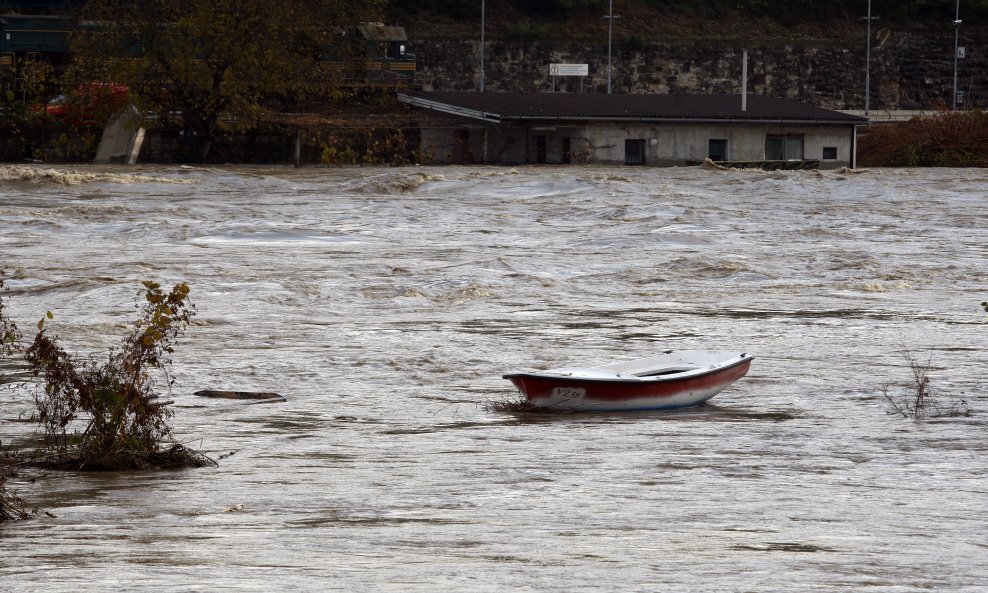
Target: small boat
{"x":674,"y":379}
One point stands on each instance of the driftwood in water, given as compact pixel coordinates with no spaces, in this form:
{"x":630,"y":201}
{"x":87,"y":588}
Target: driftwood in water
{"x":258,"y":396}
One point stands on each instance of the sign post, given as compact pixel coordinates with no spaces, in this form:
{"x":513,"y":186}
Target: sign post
{"x":568,"y":70}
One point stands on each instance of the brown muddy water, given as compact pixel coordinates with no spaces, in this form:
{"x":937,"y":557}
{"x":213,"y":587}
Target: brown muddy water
{"x":386,"y":303}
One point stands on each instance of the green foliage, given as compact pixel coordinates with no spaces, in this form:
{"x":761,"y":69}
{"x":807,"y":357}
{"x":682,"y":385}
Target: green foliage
{"x":373,"y":147}
{"x":587,"y":13}
{"x":126,"y":423}
{"x":75,"y":145}
{"x":9,"y":336}
{"x":11,"y":507}
{"x":457,"y":9}
{"x":216,"y":63}
{"x":526,"y":30}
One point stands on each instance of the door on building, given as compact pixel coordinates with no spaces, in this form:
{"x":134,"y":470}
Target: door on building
{"x":717,"y":149}
{"x":634,"y":152}
{"x":567,"y":151}
{"x":460,"y":154}
{"x":540,"y":143}
{"x":780,"y":147}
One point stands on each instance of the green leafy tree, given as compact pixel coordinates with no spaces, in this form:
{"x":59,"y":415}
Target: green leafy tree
{"x":216,"y":64}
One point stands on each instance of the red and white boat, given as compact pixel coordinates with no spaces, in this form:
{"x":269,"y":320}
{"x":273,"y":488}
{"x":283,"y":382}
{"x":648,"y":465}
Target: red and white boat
{"x":675,"y":379}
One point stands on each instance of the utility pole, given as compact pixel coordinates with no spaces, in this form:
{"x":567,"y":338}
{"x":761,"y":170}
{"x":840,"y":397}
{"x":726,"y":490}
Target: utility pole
{"x":482,"y":27}
{"x":869,"y":18}
{"x":610,"y":27}
{"x":957,"y":32}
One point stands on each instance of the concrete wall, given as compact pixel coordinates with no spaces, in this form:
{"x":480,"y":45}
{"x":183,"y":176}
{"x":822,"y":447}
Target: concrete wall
{"x":910,"y":69}
{"x":604,"y":143}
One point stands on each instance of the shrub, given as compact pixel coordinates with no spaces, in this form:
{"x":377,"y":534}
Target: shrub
{"x":126,"y":420}
{"x":11,"y":507}
{"x":945,"y":139}
{"x":919,"y":400}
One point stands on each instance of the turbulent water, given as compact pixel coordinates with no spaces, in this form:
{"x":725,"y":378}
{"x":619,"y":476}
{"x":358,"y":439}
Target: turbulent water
{"x":385,"y":304}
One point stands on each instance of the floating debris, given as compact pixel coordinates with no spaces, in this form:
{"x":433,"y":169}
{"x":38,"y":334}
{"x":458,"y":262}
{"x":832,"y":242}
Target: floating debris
{"x":254,"y":397}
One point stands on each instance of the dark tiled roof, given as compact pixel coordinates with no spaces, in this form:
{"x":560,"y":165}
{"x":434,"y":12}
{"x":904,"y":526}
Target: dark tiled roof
{"x":573,"y":106}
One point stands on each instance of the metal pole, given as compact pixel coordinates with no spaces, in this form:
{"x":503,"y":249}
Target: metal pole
{"x":868,"y":62}
{"x":957,"y":31}
{"x":744,"y":80}
{"x":610,"y":26}
{"x":482,"y":15}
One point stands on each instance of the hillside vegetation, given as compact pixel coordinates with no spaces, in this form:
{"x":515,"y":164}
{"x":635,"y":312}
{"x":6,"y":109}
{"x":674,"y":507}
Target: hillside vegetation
{"x":787,"y":19}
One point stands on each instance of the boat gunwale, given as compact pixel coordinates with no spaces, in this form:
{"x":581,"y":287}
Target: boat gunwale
{"x":691,"y":374}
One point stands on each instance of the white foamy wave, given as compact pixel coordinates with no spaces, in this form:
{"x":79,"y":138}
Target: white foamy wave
{"x":70,"y":177}
{"x":491,"y":173}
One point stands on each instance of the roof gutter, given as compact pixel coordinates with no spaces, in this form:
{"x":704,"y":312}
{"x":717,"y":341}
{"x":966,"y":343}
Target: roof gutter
{"x":501,"y":118}
{"x":730,"y":120}
{"x":447,"y":108}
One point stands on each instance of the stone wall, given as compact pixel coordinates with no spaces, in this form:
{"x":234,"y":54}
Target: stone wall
{"x":911,"y":69}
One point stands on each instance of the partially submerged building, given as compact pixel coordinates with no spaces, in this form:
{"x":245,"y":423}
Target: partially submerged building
{"x":656,"y":130}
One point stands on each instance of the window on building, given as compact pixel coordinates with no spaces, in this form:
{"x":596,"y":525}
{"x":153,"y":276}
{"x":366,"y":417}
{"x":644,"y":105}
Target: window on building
{"x":634,"y":152}
{"x":783,"y":148}
{"x":830,"y":153}
{"x":717,"y":150}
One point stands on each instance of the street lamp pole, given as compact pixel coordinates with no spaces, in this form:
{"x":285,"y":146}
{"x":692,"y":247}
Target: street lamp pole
{"x":957,"y":31}
{"x":868,"y":62}
{"x":610,"y":27}
{"x":868,"y":18}
{"x":482,"y":27}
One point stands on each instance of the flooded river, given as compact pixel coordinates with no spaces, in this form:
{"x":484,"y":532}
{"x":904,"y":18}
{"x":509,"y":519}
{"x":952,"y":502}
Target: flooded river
{"x":385,"y":304}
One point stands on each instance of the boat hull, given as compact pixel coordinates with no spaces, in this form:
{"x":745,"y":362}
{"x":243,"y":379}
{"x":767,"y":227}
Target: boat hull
{"x":620,"y":394}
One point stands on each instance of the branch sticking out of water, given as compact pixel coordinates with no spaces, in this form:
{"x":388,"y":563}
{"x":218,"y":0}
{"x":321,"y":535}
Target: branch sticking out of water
{"x":917,"y":399}
{"x":11,"y":506}
{"x":517,"y":405}
{"x":509,"y":405}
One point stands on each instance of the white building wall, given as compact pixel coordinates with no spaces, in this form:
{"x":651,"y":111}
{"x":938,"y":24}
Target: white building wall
{"x":680,"y":144}
{"x":665,"y":144}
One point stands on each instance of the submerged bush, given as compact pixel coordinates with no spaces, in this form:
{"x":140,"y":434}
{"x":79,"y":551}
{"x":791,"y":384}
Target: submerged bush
{"x":918,"y":399}
{"x":126,"y":421}
{"x":11,"y":507}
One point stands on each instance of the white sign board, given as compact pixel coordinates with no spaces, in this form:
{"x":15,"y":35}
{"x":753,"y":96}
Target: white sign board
{"x":961,"y":52}
{"x":569,"y":69}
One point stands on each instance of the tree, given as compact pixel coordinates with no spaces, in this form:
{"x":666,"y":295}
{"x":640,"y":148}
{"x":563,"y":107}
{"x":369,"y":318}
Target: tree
{"x":215,"y":64}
